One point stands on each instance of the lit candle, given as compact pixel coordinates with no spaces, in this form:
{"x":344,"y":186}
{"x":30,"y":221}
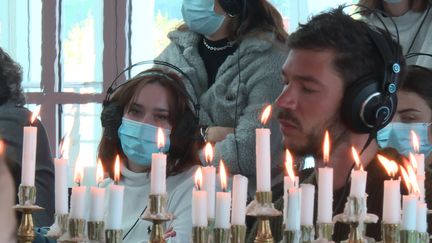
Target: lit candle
{"x":78,"y":197}
{"x":421,"y":225}
{"x":199,"y":202}
{"x":419,"y":157}
{"x":209,"y":181}
{"x":325,"y":186}
{"x":263,"y":154}
{"x":158,"y":168}
{"x":392,"y":196}
{"x":289,"y":181}
{"x":97,"y":196}
{"x":115,"y":200}
{"x":239,"y":197}
{"x":358,"y":177}
{"x":419,"y":177}
{"x":409,"y":202}
{"x":294,"y":207}
{"x":307,"y":202}
{"x":60,"y":179}
{"x":223,"y":201}
{"x":29,"y":152}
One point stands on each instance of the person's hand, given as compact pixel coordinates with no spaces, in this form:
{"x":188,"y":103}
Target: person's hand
{"x":170,"y":232}
{"x":216,"y":134}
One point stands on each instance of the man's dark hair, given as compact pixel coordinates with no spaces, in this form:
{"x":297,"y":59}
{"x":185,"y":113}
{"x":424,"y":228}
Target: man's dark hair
{"x":10,"y":79}
{"x":356,"y":55}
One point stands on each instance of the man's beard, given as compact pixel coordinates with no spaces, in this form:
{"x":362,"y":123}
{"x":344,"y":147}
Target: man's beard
{"x":315,"y":138}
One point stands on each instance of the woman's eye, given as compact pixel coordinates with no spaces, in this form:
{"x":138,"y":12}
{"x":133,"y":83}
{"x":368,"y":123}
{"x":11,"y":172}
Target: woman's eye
{"x":133,"y":111}
{"x":409,"y":119}
{"x":161,"y":117}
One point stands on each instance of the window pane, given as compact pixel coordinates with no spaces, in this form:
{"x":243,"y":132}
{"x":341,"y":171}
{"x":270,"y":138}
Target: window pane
{"x":82,"y":45}
{"x":82,"y":122}
{"x":20,"y":36}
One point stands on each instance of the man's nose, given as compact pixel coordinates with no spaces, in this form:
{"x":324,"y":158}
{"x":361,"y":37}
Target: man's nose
{"x":287,"y":99}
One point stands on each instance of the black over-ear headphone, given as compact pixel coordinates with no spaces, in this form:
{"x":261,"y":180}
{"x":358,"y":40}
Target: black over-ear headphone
{"x":369,"y":103}
{"x":416,"y":54}
{"x":112,"y":112}
{"x":234,"y":7}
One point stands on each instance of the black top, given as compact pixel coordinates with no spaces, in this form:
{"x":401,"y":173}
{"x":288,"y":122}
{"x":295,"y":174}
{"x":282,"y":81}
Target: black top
{"x":214,"y":53}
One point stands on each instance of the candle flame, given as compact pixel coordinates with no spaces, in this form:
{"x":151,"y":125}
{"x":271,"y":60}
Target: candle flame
{"x":326,"y":149}
{"x":78,"y":173}
{"x":266,"y":114}
{"x":415,"y":141}
{"x":64,"y":146}
{"x":413,"y":161}
{"x":289,"y":164}
{"x":405,"y":178}
{"x":117,"y":169}
{"x":413,"y":180}
{"x":389,"y":165}
{"x":160,"y":138}
{"x":99,"y":172}
{"x":35,"y":114}
{"x":198,"y":178}
{"x":223,"y":176}
{"x":1,"y":147}
{"x":356,"y":158}
{"x":208,"y":152}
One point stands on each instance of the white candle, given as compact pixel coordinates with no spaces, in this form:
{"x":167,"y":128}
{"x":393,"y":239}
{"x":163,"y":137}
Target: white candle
{"x":199,"y":208}
{"x":223,"y":206}
{"x":209,"y":185}
{"x":288,"y":183}
{"x":158,"y":174}
{"x":239,"y":198}
{"x":29,"y":156}
{"x":78,"y":199}
{"x":420,"y":164}
{"x":391,"y":202}
{"x":115,"y":200}
{"x":421,"y":185}
{"x":307,"y":202}
{"x":421,"y":225}
{"x":358,"y":183}
{"x":60,"y":186}
{"x":263,"y":159}
{"x":325,"y":195}
{"x":409,"y":211}
{"x":294,"y":207}
{"x":97,"y":196}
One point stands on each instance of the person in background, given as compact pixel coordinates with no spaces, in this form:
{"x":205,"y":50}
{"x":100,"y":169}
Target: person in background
{"x":13,"y":117}
{"x":8,"y":224}
{"x":232,"y":50}
{"x":413,"y":19}
{"x":152,"y":99}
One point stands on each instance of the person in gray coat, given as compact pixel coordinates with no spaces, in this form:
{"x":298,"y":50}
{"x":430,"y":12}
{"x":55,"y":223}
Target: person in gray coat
{"x":13,"y":117}
{"x":232,"y":51}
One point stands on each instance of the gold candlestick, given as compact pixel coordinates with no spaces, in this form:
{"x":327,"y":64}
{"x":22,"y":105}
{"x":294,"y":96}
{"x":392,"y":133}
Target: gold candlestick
{"x":113,"y":236}
{"x":96,"y":230}
{"x":199,"y":234}
{"x":238,"y":233}
{"x":408,"y":236}
{"x":390,"y":233}
{"x":423,"y":237}
{"x":156,"y":213}
{"x":262,"y":208}
{"x":325,"y":231}
{"x":77,"y":229}
{"x":221,"y":235}
{"x":211,"y":230}
{"x":292,"y":236}
{"x":307,"y":233}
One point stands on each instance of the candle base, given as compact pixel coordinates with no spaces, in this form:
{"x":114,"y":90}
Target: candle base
{"x":263,"y":208}
{"x":156,"y":213}
{"x":307,"y":233}
{"x":238,"y":233}
{"x":95,"y":230}
{"x":390,"y":233}
{"x":25,"y":233}
{"x":113,"y":236}
{"x":59,"y":227}
{"x":325,"y":231}
{"x":408,"y":236}
{"x":423,"y":237}
{"x":221,"y":235}
{"x":292,"y":236}
{"x":77,"y":229}
{"x":26,"y":195}
{"x":199,"y":234}
{"x":211,"y":230}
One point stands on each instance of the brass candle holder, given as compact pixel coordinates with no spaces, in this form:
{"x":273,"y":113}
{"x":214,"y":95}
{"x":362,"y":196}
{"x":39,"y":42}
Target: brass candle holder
{"x":77,"y":230}
{"x":60,"y":226}
{"x":156,"y":213}
{"x":221,"y":235}
{"x":307,"y":233}
{"x":113,"y":236}
{"x":390,"y":233}
{"x":408,"y":236}
{"x":95,"y":230}
{"x":199,"y":234}
{"x":292,"y":236}
{"x":26,"y":205}
{"x":355,"y":214}
{"x":238,"y":233}
{"x":423,"y":237}
{"x":211,"y":230}
{"x":263,"y":208}
{"x":325,"y":231}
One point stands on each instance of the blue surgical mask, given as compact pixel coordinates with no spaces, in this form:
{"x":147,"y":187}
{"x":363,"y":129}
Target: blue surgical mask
{"x":139,"y":141}
{"x":200,"y":16}
{"x":398,"y":135}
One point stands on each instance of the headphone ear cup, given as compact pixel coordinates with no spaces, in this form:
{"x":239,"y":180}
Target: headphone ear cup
{"x":364,"y":104}
{"x":111,"y":118}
